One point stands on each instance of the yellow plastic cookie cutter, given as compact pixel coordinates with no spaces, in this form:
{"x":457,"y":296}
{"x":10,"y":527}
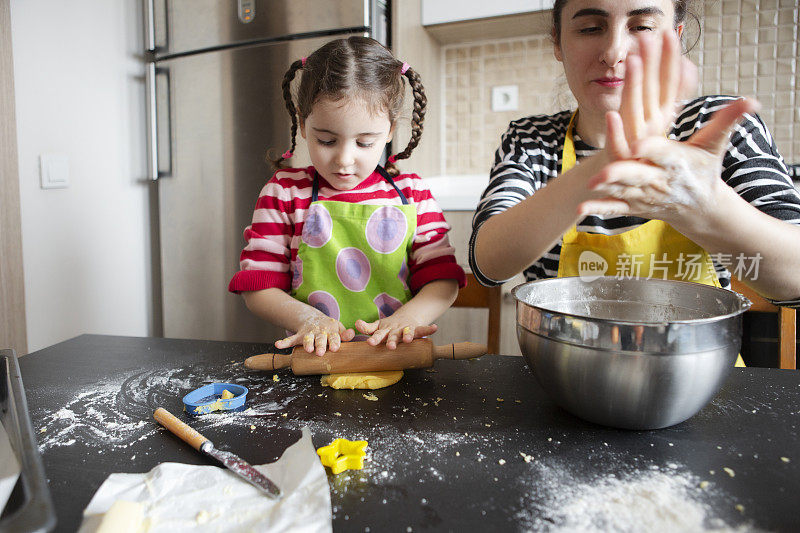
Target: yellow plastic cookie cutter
{"x":343,"y":454}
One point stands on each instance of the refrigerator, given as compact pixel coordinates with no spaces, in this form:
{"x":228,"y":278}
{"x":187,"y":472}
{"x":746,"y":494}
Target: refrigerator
{"x":214,"y":109}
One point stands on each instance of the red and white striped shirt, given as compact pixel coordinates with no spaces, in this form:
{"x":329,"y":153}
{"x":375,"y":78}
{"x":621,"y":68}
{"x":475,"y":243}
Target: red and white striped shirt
{"x":274,"y":234}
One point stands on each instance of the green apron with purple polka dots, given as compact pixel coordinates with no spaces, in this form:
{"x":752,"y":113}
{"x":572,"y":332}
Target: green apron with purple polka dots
{"x":352,"y":261}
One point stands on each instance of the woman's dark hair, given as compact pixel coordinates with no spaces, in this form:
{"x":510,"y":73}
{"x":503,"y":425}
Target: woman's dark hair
{"x":682,"y":11}
{"x":355,"y":67}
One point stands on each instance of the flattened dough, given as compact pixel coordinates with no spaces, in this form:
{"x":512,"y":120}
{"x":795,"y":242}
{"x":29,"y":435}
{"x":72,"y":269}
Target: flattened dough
{"x":362,"y":380}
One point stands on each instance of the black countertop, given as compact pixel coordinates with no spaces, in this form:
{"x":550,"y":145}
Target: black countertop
{"x":466,"y":445}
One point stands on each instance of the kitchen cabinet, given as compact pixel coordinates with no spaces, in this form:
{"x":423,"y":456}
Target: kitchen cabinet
{"x":444,"y":11}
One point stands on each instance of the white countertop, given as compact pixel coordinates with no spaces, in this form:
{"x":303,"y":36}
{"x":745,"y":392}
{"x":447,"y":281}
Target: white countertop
{"x":457,"y":192}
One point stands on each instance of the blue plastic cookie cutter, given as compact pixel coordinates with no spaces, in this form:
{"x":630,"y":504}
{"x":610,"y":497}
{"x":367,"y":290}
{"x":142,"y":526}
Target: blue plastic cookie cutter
{"x":208,"y":399}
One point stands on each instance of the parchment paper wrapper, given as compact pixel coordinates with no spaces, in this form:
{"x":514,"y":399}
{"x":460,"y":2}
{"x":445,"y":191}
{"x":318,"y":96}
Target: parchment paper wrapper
{"x":179,"y":497}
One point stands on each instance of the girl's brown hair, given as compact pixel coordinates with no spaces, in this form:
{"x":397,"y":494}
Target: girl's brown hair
{"x":355,"y":67}
{"x":682,"y":11}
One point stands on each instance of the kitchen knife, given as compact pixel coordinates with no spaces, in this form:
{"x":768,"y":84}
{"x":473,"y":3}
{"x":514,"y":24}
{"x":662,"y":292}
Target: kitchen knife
{"x":232,"y":462}
{"x":363,"y":357}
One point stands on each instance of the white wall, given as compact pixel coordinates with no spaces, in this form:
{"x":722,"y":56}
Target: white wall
{"x":78,"y":77}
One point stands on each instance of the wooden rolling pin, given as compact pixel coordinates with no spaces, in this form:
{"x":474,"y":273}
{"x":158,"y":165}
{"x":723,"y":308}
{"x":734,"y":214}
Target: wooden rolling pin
{"x":363,"y":357}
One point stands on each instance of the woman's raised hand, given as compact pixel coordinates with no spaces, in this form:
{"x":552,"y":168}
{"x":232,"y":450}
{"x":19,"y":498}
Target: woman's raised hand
{"x":655,"y":79}
{"x":652,"y":176}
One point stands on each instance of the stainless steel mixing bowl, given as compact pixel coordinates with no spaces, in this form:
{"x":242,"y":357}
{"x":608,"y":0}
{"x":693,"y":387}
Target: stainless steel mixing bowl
{"x":631,"y":353}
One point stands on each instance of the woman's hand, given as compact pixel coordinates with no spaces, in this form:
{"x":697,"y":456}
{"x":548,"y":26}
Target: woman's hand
{"x":318,"y":333}
{"x":651,"y":176}
{"x":393,"y":329}
{"x":655,"y":79}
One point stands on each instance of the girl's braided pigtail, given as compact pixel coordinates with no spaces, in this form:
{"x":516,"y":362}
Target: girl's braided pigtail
{"x":287,"y":97}
{"x":417,"y":117}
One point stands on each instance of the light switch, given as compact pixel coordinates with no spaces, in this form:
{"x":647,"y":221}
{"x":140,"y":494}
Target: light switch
{"x":54,"y":171}
{"x":505,"y":98}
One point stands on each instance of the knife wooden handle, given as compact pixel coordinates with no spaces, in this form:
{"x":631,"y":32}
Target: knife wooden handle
{"x":363,"y":357}
{"x":179,"y":428}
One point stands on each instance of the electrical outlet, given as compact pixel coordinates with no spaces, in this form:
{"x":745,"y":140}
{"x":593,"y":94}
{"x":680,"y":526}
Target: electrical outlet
{"x":54,"y":171}
{"x":505,"y":98}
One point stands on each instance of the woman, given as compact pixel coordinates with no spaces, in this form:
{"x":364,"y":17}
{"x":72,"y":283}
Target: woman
{"x":654,"y":195}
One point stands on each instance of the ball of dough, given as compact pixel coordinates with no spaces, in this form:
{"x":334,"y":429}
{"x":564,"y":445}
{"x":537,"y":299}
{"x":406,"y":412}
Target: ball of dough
{"x":362,"y":380}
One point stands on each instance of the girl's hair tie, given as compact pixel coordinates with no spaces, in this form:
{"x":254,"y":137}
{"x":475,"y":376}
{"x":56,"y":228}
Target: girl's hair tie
{"x":404,"y":68}
{"x":287,"y":154}
{"x":392,"y":159}
{"x":303,"y":61}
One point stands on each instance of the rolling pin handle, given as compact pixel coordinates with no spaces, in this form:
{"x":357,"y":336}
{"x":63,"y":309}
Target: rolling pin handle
{"x":268,"y":361}
{"x":459,"y":350}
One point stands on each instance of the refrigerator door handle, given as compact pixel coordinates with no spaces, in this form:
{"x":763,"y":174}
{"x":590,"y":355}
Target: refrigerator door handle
{"x":150,"y":25}
{"x":153,"y":170}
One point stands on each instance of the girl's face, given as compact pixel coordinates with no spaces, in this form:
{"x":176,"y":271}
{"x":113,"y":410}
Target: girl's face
{"x":345,"y":141}
{"x":596,"y":38}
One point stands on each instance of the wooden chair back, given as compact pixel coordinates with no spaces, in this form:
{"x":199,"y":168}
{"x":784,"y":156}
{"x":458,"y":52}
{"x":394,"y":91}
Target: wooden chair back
{"x":475,"y":295}
{"x":787,"y":325}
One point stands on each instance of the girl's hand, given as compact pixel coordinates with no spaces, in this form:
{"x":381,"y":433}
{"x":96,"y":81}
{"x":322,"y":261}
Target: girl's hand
{"x":319,"y":333}
{"x":393,"y":329}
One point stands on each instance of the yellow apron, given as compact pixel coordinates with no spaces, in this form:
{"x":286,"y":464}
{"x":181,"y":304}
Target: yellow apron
{"x":655,"y":249}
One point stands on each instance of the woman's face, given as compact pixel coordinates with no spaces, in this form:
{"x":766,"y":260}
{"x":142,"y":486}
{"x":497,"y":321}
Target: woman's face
{"x":596,"y":38}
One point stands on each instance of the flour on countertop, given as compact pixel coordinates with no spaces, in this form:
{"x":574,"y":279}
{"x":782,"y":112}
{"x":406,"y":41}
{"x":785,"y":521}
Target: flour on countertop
{"x":119,"y":413}
{"x":655,"y":499}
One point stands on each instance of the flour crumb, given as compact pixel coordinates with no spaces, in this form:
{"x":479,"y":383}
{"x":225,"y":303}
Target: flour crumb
{"x":527,"y":458}
{"x":284,"y":415}
{"x":488,"y":425}
{"x":458,"y":454}
{"x":252,"y":427}
{"x":704,"y":484}
{"x":670,"y":444}
{"x":500,"y":400}
{"x":337,"y":413}
{"x":43,"y":430}
{"x":202,"y":517}
{"x":712,"y":472}
{"x":371,"y":397}
{"x":729,"y":471}
{"x":517,"y":401}
{"x":739,"y":507}
{"x":785,"y":459}
{"x":549,"y":439}
{"x":501,"y":462}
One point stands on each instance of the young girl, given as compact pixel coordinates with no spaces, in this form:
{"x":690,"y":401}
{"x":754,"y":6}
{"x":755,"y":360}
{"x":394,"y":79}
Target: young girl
{"x":346,"y":243}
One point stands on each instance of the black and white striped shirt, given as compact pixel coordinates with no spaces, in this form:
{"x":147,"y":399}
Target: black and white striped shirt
{"x":530,"y":155}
